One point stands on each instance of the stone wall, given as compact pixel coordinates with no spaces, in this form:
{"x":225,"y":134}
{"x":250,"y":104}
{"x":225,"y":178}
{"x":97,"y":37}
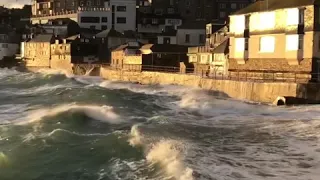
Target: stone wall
{"x":279,"y":65}
{"x":62,"y":63}
{"x":251,"y":91}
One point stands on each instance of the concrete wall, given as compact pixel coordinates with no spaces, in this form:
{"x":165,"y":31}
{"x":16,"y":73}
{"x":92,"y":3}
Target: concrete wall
{"x":251,"y":91}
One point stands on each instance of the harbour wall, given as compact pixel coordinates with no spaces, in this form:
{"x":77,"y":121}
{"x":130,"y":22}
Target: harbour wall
{"x":264,"y":92}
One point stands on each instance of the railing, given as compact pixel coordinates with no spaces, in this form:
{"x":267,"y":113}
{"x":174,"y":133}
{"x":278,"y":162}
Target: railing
{"x":220,"y":75}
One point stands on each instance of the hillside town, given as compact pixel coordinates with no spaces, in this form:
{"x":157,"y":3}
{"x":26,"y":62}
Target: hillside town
{"x":241,"y":39}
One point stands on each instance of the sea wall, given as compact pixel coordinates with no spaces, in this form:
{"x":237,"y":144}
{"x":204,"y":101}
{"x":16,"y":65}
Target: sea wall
{"x":266,"y":92}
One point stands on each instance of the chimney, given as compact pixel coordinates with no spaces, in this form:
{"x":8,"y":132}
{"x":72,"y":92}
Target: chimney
{"x":64,"y":41}
{"x":57,"y":41}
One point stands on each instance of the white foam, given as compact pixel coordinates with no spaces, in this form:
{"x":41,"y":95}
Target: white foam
{"x":135,"y":136}
{"x":55,"y":72}
{"x":101,"y":113}
{"x":168,"y":154}
{"x":5,"y":72}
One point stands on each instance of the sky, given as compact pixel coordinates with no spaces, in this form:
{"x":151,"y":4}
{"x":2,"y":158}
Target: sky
{"x":14,"y":3}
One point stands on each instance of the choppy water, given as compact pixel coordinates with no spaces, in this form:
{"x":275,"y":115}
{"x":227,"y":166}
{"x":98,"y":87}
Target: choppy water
{"x":83,"y":128}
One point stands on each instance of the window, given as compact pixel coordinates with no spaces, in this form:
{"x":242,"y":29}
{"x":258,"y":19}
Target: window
{"x":171,"y":2}
{"x":104,"y":27}
{"x":4,"y":45}
{"x":242,"y":6}
{"x":98,"y":2}
{"x":293,"y":16}
{"x":222,"y":14}
{"x":45,"y":6}
{"x":81,"y":3}
{"x":72,"y":3}
{"x":246,"y":44}
{"x":88,"y":3}
{"x":222,"y":6}
{"x":233,"y":6}
{"x":104,"y":19}
{"x":57,"y":4}
{"x":239,"y":42}
{"x":121,"y":20}
{"x":92,"y":27}
{"x":170,"y":10}
{"x":267,"y":20}
{"x":87,"y":19}
{"x":166,"y":40}
{"x":201,"y":38}
{"x":294,"y":42}
{"x":121,"y":8}
{"x":187,"y":38}
{"x":267,"y":44}
{"x":154,"y":21}
{"x":188,"y":3}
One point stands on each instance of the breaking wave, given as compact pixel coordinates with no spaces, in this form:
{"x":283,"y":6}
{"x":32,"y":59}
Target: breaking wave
{"x":101,"y":113}
{"x":55,"y":72}
{"x":167,"y":153}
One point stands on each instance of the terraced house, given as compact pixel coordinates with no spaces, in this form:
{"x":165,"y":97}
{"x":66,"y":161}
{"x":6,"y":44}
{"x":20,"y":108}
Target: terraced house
{"x":272,"y":36}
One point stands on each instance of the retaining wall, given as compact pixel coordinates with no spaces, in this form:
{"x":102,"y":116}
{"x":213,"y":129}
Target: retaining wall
{"x":243,"y":90}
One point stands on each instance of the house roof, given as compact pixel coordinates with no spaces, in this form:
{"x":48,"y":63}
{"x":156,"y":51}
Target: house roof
{"x":42,"y":38}
{"x":165,"y":48}
{"x":129,"y":45}
{"x":109,"y":33}
{"x":222,"y":48}
{"x":270,"y":5}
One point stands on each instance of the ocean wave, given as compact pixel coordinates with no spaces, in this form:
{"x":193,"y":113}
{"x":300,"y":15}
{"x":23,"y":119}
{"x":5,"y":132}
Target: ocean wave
{"x":5,"y":72}
{"x":167,"y":153}
{"x":101,"y":113}
{"x":55,"y":72}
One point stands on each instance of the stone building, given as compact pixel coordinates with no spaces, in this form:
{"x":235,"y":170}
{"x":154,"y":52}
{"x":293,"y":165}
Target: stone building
{"x":276,"y":37}
{"x":163,"y":57}
{"x":36,"y":52}
{"x":127,"y":57}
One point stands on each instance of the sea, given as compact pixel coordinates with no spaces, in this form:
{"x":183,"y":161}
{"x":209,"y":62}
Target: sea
{"x":57,"y":126}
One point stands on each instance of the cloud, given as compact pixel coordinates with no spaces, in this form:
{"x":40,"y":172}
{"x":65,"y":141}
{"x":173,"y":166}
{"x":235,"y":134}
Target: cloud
{"x":14,"y":3}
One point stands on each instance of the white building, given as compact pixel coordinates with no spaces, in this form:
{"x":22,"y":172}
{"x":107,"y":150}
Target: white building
{"x":191,"y":35}
{"x":8,"y":47}
{"x":117,"y":14}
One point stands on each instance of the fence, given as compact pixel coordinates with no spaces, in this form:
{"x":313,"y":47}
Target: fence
{"x":234,"y":75}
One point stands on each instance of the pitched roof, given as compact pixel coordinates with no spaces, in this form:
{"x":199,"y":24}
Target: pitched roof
{"x":42,"y":38}
{"x":109,"y":33}
{"x":222,"y":48}
{"x":270,"y":5}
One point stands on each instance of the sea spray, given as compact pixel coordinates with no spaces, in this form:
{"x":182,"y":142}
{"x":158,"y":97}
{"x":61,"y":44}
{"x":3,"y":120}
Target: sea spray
{"x":135,"y":136}
{"x":101,"y":113}
{"x":55,"y":72}
{"x":167,"y":153}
